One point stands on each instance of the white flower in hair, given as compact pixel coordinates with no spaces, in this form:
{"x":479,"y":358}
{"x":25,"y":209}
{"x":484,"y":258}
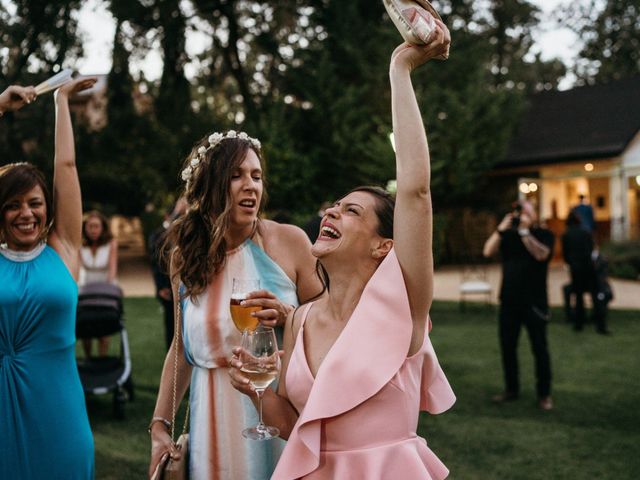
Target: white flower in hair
{"x":215,"y":138}
{"x":186,"y":174}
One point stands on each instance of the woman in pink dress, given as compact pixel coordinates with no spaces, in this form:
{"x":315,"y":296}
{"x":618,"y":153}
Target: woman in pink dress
{"x":358,"y":364}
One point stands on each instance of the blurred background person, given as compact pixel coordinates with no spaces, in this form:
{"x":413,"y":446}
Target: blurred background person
{"x":577,"y":247}
{"x":98,"y":263}
{"x":584,"y":210}
{"x":44,"y":427}
{"x":14,"y":97}
{"x":160,"y":269}
{"x":525,"y":249}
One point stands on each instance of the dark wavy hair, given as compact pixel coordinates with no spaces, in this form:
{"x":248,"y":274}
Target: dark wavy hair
{"x":195,"y":241}
{"x":18,"y":179}
{"x":385,"y":203}
{"x":106,"y":235}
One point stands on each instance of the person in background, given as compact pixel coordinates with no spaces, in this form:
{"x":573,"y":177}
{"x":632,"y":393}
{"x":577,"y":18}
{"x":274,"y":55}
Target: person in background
{"x":44,"y":427}
{"x":602,"y":293}
{"x":159,"y":268}
{"x":577,"y":247}
{"x":585,"y":212}
{"x":525,"y":249}
{"x":312,"y":227}
{"x":98,"y":263}
{"x":14,"y":97}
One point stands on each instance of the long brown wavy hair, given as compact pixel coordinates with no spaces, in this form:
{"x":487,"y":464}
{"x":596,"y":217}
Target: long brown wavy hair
{"x":195,"y":242}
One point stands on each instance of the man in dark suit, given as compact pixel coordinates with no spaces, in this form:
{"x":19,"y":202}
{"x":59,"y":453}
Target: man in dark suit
{"x":160,"y":271}
{"x":585,"y":213}
{"x":577,"y":246}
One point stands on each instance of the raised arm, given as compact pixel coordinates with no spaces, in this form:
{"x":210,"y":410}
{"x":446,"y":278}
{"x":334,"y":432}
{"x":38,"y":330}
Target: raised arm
{"x":14,"y":97}
{"x":413,"y":220}
{"x":66,"y":237}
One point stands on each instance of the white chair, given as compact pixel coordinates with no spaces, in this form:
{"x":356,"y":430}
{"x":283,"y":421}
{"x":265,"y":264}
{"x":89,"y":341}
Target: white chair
{"x":474,"y":283}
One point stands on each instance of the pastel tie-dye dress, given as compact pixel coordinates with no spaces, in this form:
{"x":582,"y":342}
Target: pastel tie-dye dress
{"x":219,"y":413}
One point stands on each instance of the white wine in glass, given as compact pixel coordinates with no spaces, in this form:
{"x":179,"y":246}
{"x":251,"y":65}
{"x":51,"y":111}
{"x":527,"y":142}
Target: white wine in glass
{"x":261,"y":365}
{"x":240,"y":315}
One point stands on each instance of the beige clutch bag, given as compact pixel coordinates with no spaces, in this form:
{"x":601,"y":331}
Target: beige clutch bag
{"x":414,"y":19}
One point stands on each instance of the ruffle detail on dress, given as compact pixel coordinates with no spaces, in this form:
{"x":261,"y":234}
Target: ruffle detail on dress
{"x":407,"y":460}
{"x":368,"y":353}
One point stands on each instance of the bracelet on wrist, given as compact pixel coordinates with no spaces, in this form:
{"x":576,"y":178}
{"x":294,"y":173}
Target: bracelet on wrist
{"x":162,"y":420}
{"x":523,"y":232}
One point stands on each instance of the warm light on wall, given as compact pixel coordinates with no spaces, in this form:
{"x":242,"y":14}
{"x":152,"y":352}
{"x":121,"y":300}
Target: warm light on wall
{"x":638,"y":180}
{"x":533,"y":187}
{"x":524,"y":188}
{"x":588,"y":167}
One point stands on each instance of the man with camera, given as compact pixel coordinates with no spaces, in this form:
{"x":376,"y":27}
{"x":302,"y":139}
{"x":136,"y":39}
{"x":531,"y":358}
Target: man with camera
{"x":525,"y":248}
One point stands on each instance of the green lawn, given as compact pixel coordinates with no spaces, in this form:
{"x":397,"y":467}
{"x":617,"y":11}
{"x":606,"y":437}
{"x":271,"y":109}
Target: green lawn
{"x":593,"y":433}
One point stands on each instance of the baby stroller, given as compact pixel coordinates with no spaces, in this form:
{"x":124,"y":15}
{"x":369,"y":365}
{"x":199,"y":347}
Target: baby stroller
{"x":100,"y":314}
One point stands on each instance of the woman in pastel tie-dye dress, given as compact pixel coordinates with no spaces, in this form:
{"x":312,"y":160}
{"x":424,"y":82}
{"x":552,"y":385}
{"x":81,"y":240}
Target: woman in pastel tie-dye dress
{"x":221,"y":237}
{"x":359,"y":364}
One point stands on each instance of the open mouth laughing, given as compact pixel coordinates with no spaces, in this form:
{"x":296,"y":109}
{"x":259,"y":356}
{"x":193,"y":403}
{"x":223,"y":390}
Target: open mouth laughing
{"x":328,"y":231}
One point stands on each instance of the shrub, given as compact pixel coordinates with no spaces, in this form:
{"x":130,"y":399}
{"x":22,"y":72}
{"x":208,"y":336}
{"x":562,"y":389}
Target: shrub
{"x":624,"y":259}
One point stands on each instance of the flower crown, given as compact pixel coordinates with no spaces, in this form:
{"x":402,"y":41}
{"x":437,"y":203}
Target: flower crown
{"x":214,"y":139}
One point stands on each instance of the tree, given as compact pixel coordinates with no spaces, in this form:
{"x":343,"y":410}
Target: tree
{"x":610,"y":30}
{"x":37,"y":40}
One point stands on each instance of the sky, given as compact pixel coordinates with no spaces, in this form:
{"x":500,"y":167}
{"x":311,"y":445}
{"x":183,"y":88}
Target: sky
{"x":97,"y":26}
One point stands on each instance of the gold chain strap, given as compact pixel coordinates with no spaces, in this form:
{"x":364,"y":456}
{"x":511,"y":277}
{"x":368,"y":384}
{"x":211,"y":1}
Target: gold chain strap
{"x":176,"y":334}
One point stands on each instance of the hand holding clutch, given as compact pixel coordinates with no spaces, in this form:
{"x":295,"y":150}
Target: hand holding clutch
{"x":415,"y":20}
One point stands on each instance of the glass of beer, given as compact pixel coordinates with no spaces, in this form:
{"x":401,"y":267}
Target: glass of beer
{"x":261,"y":365}
{"x":242,"y":315}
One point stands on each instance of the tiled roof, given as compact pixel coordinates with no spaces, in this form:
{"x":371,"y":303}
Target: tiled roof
{"x":586,"y":122}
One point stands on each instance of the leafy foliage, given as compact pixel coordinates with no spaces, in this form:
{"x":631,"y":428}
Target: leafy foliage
{"x":307,"y":77}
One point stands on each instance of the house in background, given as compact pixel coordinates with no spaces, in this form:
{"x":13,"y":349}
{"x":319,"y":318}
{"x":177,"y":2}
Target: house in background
{"x":584,"y":141}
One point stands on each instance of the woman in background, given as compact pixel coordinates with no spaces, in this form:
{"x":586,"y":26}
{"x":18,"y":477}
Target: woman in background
{"x":98,"y":263}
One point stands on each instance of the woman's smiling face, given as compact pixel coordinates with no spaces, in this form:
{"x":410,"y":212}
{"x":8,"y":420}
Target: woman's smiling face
{"x":348,"y":227}
{"x":24,"y":219}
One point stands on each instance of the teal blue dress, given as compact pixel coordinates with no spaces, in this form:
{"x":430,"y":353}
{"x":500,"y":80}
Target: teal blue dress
{"x":44,"y":428}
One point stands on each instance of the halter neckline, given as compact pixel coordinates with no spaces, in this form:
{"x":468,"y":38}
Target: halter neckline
{"x":21,"y":256}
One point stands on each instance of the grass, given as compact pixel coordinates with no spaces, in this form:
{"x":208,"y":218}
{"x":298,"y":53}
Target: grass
{"x":593,"y":433}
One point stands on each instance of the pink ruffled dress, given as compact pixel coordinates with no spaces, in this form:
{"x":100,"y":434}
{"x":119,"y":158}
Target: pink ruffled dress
{"x":358,"y":417}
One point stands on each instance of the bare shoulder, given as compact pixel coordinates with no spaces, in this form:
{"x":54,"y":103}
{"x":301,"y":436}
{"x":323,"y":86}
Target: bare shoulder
{"x":283,"y":235}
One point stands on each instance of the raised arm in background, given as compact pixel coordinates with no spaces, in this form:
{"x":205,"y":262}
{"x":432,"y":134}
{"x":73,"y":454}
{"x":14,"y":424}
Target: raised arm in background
{"x":66,"y":236}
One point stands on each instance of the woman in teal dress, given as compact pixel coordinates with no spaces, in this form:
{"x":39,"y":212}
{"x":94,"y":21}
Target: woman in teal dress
{"x":44,"y":428}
